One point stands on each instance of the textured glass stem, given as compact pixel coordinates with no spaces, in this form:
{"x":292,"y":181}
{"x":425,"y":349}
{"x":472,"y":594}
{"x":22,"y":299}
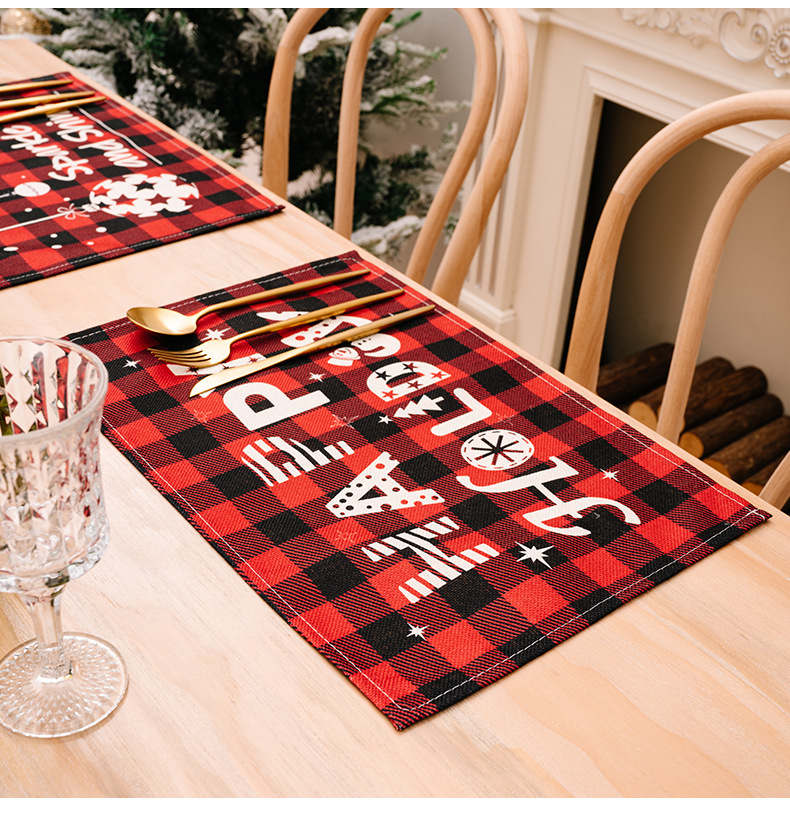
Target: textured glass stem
{"x":45,"y":611}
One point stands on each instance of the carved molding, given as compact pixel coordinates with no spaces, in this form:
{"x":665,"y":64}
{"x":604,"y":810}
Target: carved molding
{"x":746,"y":34}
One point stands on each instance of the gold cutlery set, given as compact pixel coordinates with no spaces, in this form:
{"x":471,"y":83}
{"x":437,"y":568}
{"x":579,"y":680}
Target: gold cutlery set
{"x":166,"y":322}
{"x":45,"y":104}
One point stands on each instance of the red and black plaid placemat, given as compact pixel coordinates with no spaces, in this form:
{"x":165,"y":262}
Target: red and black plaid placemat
{"x":426,"y":508}
{"x":96,"y":182}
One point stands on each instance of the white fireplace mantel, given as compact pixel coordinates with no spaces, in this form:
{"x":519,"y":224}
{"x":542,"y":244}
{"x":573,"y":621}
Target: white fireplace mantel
{"x":747,"y":35}
{"x":659,"y":62}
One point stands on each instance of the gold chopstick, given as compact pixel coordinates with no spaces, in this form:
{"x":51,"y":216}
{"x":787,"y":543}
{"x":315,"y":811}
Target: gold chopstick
{"x":46,"y":109}
{"x":22,"y":101}
{"x":214,"y":380}
{"x":44,"y":83}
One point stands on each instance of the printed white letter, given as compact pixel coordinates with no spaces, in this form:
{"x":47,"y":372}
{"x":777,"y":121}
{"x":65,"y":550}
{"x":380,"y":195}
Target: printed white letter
{"x":282,"y":406}
{"x":356,"y":498}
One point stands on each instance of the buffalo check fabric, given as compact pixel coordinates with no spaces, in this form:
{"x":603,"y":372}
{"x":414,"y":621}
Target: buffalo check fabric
{"x":91,"y":183}
{"x":427,"y":508}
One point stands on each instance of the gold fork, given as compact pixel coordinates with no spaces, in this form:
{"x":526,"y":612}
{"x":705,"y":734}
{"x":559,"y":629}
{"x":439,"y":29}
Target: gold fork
{"x":213,"y":351}
{"x":214,"y":380}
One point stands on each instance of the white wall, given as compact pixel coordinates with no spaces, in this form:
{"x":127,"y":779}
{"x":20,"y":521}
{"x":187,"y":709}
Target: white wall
{"x":454,"y":77}
{"x":454,"y":74}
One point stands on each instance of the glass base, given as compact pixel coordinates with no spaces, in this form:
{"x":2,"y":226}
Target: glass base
{"x":37,"y":708}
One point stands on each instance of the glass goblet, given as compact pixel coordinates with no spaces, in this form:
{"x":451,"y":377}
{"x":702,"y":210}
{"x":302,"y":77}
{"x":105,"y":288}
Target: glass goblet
{"x":53,"y":528}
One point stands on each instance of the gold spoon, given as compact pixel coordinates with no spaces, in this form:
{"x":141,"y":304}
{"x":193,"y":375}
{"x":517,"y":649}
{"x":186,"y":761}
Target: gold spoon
{"x":167,"y":322}
{"x":214,"y":351}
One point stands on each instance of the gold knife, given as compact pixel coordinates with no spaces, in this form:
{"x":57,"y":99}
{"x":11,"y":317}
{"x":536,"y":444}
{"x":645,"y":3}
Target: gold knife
{"x":214,"y":380}
{"x":45,"y":109}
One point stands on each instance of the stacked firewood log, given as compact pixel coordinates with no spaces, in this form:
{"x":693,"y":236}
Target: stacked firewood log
{"x":732,"y":422}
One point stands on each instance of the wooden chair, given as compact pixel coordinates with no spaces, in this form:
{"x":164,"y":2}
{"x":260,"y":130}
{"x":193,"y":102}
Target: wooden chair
{"x":471,"y":225}
{"x":587,"y":335}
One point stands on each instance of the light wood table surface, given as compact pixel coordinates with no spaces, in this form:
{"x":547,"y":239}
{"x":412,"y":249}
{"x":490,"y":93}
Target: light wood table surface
{"x":683,"y":692}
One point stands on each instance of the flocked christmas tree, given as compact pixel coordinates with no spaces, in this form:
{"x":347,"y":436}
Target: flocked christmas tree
{"x":205,"y":73}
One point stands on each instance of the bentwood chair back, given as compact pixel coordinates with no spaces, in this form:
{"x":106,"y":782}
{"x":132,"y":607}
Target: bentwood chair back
{"x":469,"y":230}
{"x":589,"y":325}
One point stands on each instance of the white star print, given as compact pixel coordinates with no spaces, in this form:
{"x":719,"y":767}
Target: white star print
{"x":131,"y":363}
{"x":610,"y":475}
{"x":317,"y":376}
{"x":534,"y":554}
{"x":385,"y":419}
{"x":338,"y":421}
{"x":416,"y":632}
{"x":215,"y":333}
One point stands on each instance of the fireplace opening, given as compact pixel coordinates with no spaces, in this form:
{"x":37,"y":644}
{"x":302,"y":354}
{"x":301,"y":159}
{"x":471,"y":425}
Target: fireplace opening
{"x":749,"y":320}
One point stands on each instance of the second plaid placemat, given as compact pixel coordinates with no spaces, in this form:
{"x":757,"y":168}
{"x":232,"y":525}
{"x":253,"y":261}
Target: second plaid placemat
{"x":92,"y":183}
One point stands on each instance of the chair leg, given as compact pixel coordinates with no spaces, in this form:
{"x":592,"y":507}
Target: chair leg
{"x":777,"y":490}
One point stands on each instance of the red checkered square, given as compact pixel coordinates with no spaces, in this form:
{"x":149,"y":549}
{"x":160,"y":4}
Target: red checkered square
{"x":383,"y":685}
{"x":143,"y":431}
{"x":179,"y":475}
{"x":222,"y":520}
{"x":270,"y":568}
{"x":535,"y":599}
{"x":602,"y":567}
{"x":323,"y":624}
{"x":664,"y":534}
{"x":460,"y":644}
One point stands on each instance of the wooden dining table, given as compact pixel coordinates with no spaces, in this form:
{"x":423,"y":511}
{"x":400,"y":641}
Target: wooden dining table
{"x":682,"y":692}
